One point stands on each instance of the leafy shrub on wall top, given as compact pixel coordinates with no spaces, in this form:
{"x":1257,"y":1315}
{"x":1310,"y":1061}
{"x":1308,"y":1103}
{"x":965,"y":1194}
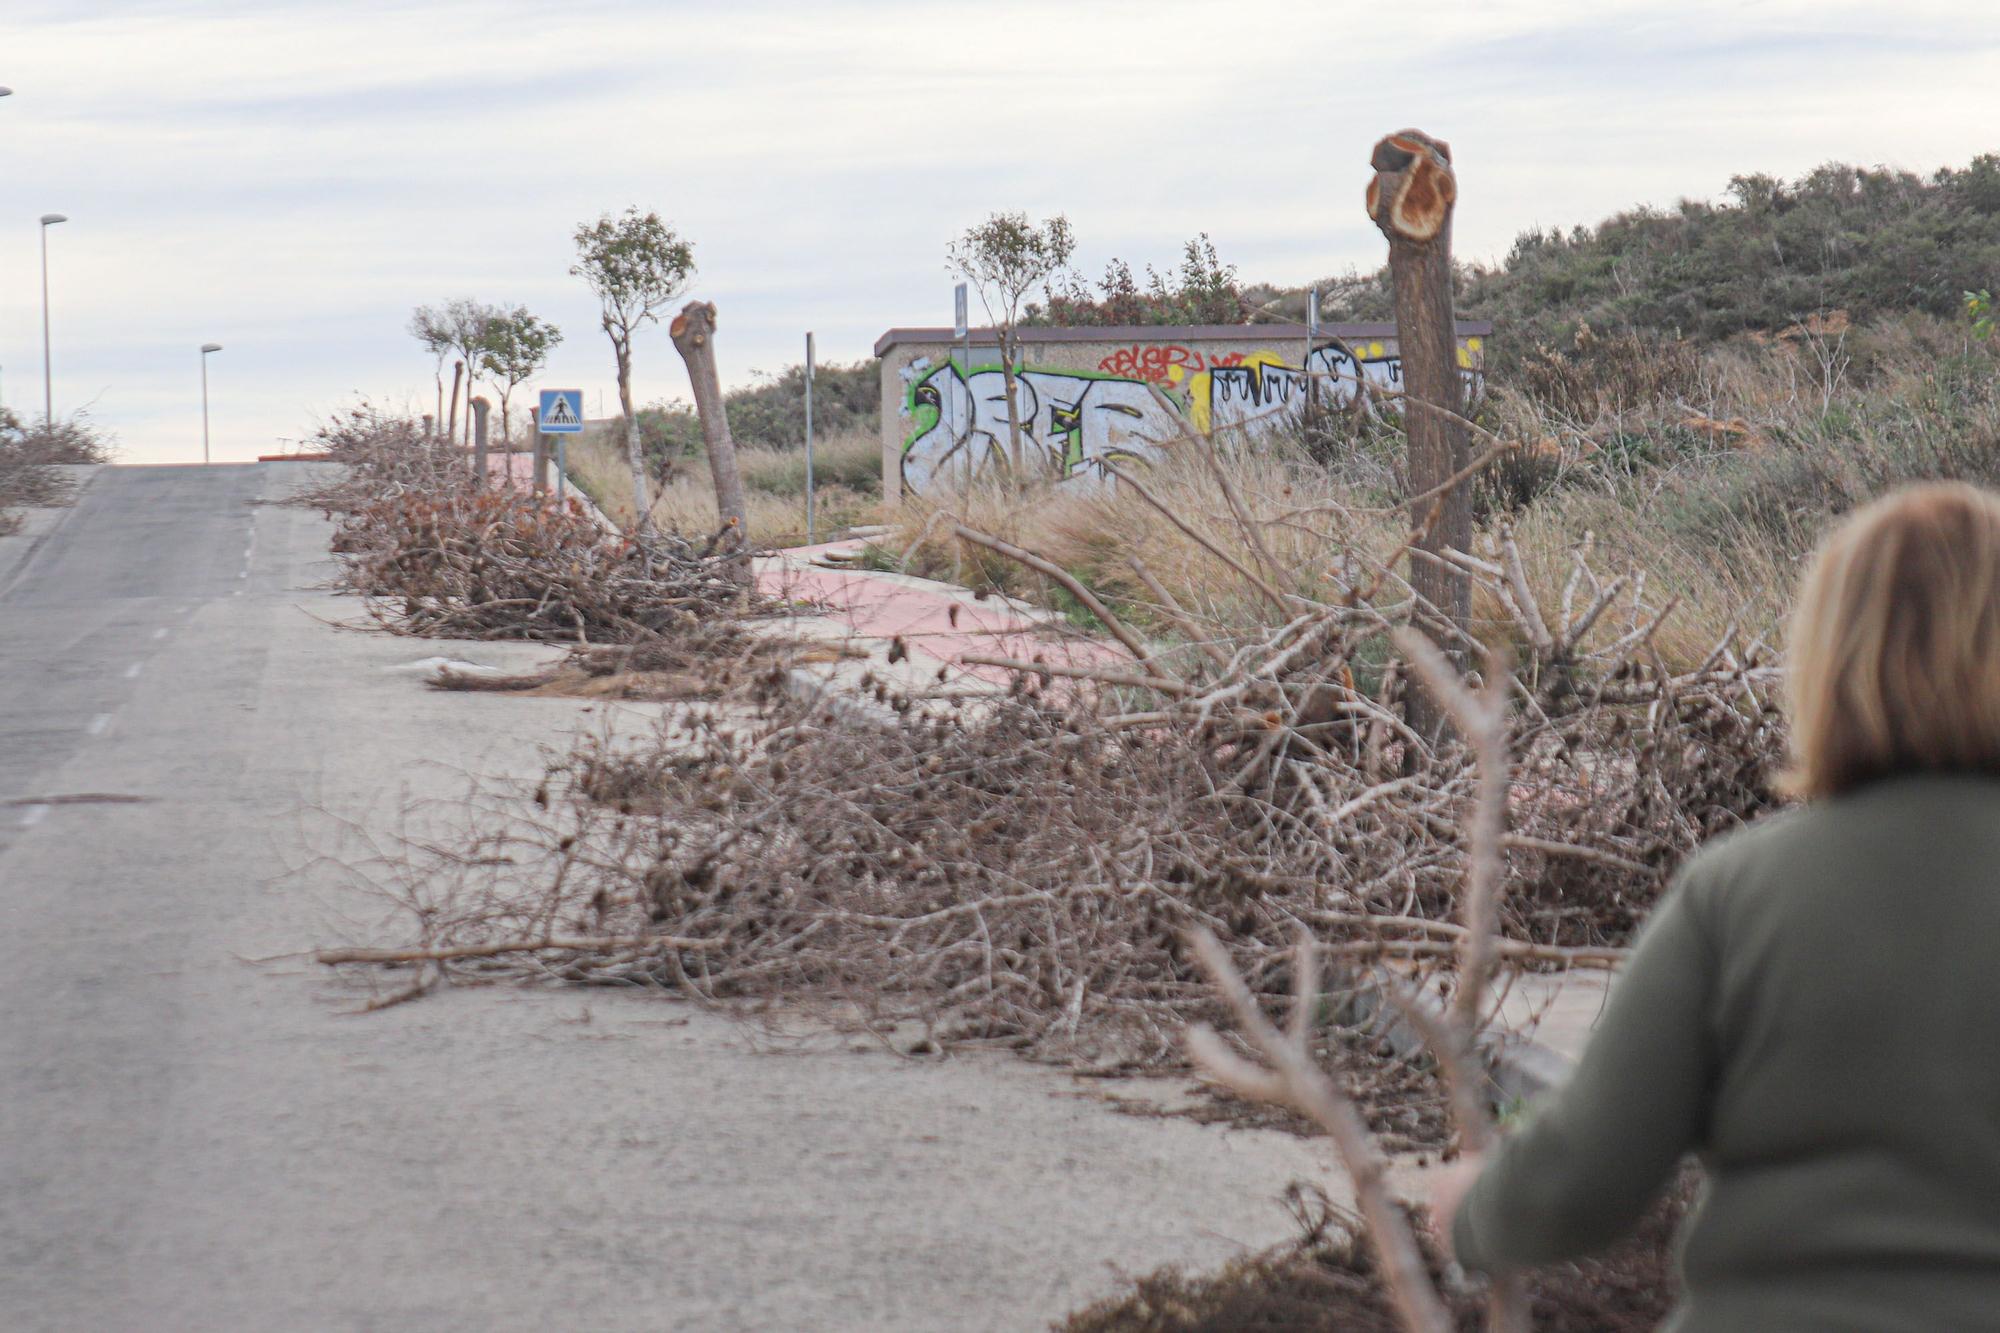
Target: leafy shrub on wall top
{"x":1200,"y":290}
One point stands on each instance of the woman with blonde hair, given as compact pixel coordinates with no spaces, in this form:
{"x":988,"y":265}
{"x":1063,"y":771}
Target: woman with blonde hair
{"x":1814,"y":1007}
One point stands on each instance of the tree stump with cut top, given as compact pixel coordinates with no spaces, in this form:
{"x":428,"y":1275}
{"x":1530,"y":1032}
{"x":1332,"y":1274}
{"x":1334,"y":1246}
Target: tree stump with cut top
{"x":1411,"y":198}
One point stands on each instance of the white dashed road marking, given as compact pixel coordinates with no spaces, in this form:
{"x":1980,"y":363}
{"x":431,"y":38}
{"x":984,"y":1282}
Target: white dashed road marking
{"x":98,"y":724}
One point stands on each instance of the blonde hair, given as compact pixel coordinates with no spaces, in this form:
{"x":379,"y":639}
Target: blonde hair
{"x":1895,"y":643}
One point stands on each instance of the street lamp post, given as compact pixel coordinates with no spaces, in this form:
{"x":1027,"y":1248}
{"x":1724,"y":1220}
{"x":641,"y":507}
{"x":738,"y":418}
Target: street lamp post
{"x":48,"y":379}
{"x":206,"y":348}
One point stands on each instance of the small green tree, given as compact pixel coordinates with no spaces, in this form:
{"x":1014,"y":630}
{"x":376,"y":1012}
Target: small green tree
{"x":1979,"y":309}
{"x":636,"y":264}
{"x":1006,"y":257}
{"x":516,"y":347}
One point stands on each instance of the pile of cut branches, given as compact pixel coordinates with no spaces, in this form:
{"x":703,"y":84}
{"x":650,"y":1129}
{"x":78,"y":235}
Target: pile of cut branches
{"x":1023,"y":868}
{"x":27,"y":478}
{"x":438,"y":555}
{"x":383,"y":455}
{"x":504,"y":565}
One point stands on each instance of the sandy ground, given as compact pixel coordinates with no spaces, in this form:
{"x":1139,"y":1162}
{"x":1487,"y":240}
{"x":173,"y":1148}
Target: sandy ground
{"x":191,"y":1140}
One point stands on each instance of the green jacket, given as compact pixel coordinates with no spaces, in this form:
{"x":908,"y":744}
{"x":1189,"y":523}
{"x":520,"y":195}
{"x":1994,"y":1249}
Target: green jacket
{"x":1815,"y":1009}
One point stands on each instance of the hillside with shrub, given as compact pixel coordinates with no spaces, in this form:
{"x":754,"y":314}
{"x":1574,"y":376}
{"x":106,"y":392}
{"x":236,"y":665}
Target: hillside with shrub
{"x":770,"y":412}
{"x":1872,"y":241}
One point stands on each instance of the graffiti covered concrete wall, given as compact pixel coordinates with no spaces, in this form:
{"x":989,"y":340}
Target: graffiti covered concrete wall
{"x":1070,"y":420}
{"x":1090,"y":396}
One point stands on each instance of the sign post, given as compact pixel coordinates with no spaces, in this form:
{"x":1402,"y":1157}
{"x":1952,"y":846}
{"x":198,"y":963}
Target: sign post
{"x":560,"y":414}
{"x":809,"y":439}
{"x":961,"y":329}
{"x":1312,"y":337}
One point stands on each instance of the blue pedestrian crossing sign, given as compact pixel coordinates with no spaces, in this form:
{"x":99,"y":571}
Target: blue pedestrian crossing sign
{"x":562,"y":412}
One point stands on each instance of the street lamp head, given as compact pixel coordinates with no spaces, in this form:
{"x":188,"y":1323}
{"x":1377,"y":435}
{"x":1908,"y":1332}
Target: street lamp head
{"x":49,"y":219}
{"x":206,"y":348}
{"x":6,"y":92}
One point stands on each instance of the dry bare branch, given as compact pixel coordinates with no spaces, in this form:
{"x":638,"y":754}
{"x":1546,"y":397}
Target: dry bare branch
{"x":1291,"y":1076}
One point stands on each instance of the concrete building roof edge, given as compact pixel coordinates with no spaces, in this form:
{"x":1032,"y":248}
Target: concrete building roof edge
{"x":1467,"y":328}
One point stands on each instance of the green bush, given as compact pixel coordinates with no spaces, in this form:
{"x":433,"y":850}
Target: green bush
{"x":1870,"y":240}
{"x":771,"y":413}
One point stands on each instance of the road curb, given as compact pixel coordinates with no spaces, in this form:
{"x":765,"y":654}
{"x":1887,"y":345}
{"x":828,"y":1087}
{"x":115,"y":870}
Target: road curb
{"x":1520,"y":1067}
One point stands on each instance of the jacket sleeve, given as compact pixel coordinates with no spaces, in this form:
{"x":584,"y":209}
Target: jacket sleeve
{"x":1597,"y":1150}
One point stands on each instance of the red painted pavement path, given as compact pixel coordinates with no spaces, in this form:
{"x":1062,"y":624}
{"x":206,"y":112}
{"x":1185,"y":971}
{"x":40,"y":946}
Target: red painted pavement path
{"x":938,"y":623}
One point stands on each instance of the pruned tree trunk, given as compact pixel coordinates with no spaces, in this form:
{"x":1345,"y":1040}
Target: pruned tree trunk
{"x":451,"y":422}
{"x":480,"y":407}
{"x":635,"y":448}
{"x":1411,"y":199}
{"x":693,"y":332}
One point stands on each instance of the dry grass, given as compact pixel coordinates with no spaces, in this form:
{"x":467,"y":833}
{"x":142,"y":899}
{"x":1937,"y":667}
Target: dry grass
{"x":1708,"y":494}
{"x":847,"y":471}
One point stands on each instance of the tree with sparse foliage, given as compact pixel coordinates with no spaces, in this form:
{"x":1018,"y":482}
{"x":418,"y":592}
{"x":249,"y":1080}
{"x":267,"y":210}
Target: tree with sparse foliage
{"x":469,"y":321}
{"x":636,"y":264}
{"x":456,"y":326}
{"x":427,"y":325}
{"x":1005,"y":258}
{"x":516,"y":347}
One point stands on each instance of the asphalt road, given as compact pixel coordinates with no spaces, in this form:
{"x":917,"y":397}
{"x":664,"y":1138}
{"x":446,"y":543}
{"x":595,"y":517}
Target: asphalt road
{"x":80,"y":623}
{"x":196,"y":769}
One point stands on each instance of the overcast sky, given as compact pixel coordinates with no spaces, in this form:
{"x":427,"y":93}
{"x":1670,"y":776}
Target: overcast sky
{"x":289,"y":177}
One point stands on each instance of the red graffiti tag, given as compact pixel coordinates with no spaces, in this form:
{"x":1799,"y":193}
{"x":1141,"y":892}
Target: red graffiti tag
{"x":1152,"y":363}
